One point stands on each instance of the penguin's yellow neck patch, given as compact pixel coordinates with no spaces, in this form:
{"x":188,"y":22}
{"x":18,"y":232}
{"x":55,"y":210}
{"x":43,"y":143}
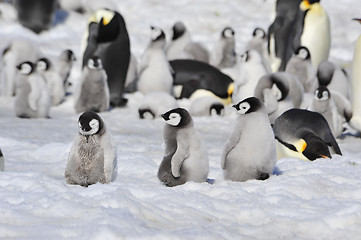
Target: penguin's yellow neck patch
{"x":106,"y":15}
{"x":305,"y":5}
{"x":300,"y":145}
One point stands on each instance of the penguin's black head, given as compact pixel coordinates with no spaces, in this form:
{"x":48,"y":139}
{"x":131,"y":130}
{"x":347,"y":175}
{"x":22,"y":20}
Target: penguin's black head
{"x":90,"y":123}
{"x":178,"y":30}
{"x":26,"y":68}
{"x":95,"y":63}
{"x":178,"y":117}
{"x":228,"y":32}
{"x":157,"y":34}
{"x":216,"y":109}
{"x":69,"y":55}
{"x":259,"y":33}
{"x":303,"y":53}
{"x":249,"y":105}
{"x":322,"y":94}
{"x":146,"y":113}
{"x":43,"y":64}
{"x":325,"y":72}
{"x":314,"y":147}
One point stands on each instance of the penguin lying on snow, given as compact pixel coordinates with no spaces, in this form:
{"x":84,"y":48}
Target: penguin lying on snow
{"x":2,"y":161}
{"x":304,"y":134}
{"x":241,"y":158}
{"x":201,"y":79}
{"x":93,"y":155}
{"x":185,"y":158}
{"x":93,"y":92}
{"x":33,"y":97}
{"x":108,"y":39}
{"x":206,"y":106}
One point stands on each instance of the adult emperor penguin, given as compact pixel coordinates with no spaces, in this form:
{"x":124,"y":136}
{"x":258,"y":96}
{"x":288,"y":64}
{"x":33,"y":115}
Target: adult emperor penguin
{"x":155,"y":73}
{"x":2,"y":161}
{"x":301,"y":66}
{"x":185,"y":159}
{"x":156,"y":103}
{"x":53,"y":79}
{"x":241,"y":158}
{"x":108,"y":39}
{"x":206,"y":106}
{"x":198,"y":79}
{"x":316,"y":31}
{"x":33,"y":97}
{"x":224,"y":51}
{"x":93,"y":91}
{"x":323,"y":103}
{"x":18,"y":51}
{"x":356,"y":84}
{"x":304,"y":134}
{"x":37,"y":15}
{"x":280,"y":42}
{"x":182,"y":46}
{"x":64,"y":64}
{"x":279,"y":91}
{"x":93,"y":155}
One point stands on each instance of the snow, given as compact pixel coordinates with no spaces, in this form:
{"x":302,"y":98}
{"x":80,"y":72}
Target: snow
{"x":302,"y":200}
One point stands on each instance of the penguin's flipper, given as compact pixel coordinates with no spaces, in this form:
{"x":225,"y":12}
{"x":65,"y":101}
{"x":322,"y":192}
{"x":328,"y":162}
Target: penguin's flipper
{"x":34,"y":96}
{"x":181,"y":154}
{"x":331,"y":141}
{"x":230,"y":144}
{"x":189,"y":88}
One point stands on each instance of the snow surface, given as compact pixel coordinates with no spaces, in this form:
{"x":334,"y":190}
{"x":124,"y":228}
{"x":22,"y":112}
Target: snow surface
{"x":303,"y":200}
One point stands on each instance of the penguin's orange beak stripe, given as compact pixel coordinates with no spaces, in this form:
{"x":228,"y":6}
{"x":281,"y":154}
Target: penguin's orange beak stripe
{"x":323,"y":156}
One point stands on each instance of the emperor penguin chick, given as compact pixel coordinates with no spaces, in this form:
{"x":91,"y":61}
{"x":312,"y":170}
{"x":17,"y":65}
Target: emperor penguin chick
{"x":241,"y":158}
{"x":185,"y":159}
{"x":224,"y":54}
{"x":93,"y":91}
{"x":64,"y":65}
{"x":53,"y":79}
{"x":93,"y":155}
{"x":155,"y":72}
{"x":33,"y":98}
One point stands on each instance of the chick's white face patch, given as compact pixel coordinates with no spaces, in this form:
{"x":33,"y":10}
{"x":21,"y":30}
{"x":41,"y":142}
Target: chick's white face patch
{"x":244,"y":107}
{"x":276,"y":92}
{"x":94,"y":125}
{"x":303,"y":53}
{"x":174,"y":119}
{"x":155,"y":33}
{"x":228,"y":33}
{"x":25,"y":68}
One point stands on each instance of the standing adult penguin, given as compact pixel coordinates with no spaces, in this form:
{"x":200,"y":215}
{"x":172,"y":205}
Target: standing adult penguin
{"x":33,"y":97}
{"x":316,"y":31}
{"x":53,"y":79}
{"x":304,"y":134}
{"x":107,"y":38}
{"x":37,"y":15}
{"x":93,"y":91}
{"x":185,"y":159}
{"x":280,"y":42}
{"x":155,"y":73}
{"x":356,"y":84}
{"x":241,"y":159}
{"x":224,"y":52}
{"x":93,"y":155}
{"x":182,"y":46}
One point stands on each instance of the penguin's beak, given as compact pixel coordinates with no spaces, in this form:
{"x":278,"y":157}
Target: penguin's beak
{"x":357,"y":19}
{"x":164,"y":117}
{"x":236,"y":107}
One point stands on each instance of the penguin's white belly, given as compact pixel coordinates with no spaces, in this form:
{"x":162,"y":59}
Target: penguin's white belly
{"x":316,"y":36}
{"x":156,"y":77}
{"x":255,"y":152}
{"x":356,"y":87}
{"x":196,"y":165}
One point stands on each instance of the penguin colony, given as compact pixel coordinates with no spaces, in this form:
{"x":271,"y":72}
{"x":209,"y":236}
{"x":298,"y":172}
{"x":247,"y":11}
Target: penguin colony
{"x":289,"y":98}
